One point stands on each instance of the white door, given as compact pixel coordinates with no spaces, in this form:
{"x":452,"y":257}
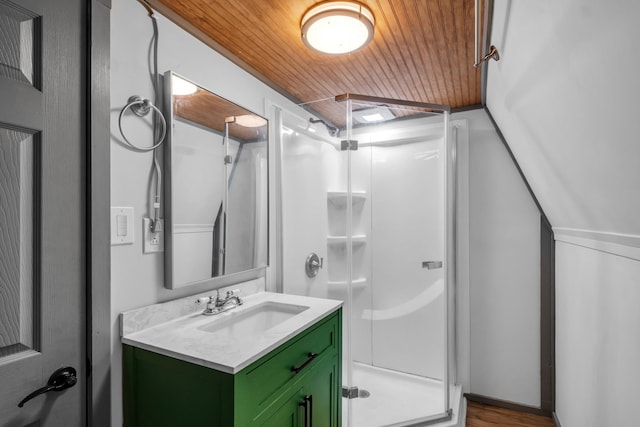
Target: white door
{"x":42,"y":212}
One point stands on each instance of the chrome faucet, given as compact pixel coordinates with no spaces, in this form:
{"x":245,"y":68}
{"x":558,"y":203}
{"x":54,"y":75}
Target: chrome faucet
{"x":216,"y":305}
{"x":231,"y":297}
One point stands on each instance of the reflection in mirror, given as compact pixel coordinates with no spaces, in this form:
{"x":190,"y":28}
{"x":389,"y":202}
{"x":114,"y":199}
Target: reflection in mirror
{"x":216,"y":186}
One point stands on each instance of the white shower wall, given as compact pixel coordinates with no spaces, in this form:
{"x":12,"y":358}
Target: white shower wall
{"x":308,"y":168}
{"x":408,"y":228}
{"x":397,"y":317}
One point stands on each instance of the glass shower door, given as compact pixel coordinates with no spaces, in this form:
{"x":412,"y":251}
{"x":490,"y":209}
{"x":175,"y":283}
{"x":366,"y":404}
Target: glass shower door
{"x":398,"y":371}
{"x":368,"y":198}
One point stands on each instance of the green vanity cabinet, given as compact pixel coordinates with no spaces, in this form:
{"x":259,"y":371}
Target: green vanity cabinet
{"x":297,"y":384}
{"x":316,"y":402}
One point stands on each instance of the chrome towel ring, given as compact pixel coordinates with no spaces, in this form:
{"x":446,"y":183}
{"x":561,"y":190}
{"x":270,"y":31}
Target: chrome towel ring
{"x":141,"y":107}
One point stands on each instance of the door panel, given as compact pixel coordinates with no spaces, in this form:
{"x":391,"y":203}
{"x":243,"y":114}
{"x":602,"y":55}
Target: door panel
{"x":20,"y":42}
{"x":17,"y":176}
{"x":42,"y":209}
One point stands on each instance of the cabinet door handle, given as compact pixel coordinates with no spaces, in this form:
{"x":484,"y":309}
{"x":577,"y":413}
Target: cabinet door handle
{"x":310,"y":357}
{"x":307,"y":404}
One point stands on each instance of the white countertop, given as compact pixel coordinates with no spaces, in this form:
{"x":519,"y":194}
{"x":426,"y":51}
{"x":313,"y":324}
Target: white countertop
{"x":181,"y":339}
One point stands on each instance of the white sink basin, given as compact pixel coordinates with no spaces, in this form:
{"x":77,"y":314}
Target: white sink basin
{"x":252,"y":321}
{"x":229,"y":341}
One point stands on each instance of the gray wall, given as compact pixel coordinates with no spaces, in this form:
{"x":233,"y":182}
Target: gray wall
{"x":504,"y":277}
{"x":570,"y":116}
{"x":137,"y":279}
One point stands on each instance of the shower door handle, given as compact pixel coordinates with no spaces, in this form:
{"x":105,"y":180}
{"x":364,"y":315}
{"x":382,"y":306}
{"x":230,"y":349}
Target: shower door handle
{"x":431,"y":265}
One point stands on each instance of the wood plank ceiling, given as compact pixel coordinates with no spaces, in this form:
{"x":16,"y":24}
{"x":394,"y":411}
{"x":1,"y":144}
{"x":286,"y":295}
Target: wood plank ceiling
{"x":423,"y":50}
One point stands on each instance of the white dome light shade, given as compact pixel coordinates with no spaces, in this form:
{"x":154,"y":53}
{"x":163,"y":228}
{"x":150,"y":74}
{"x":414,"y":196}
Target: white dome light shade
{"x":250,"y":121}
{"x":337,"y":27}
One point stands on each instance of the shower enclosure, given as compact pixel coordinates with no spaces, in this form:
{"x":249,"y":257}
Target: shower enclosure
{"x":366,"y":197}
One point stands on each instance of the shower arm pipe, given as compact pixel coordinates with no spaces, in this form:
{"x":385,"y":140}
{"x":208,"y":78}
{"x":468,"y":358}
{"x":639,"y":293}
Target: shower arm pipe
{"x":333,"y":131}
{"x":321,"y":138}
{"x":375,"y":99}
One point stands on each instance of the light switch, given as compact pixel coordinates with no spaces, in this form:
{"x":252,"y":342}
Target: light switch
{"x":121,"y":226}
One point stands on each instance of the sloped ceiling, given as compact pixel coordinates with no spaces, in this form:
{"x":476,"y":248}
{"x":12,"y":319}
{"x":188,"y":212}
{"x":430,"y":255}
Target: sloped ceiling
{"x":423,"y":50}
{"x":564,"y":95}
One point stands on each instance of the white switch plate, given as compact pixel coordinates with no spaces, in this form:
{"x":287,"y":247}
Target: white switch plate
{"x":121,"y":226}
{"x":152,"y":242}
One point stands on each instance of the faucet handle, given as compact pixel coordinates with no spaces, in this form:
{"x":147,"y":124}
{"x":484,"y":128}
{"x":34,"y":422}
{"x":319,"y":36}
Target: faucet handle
{"x":209,"y":298}
{"x":236,"y":293}
{"x":202,"y":300}
{"x":211,"y":303}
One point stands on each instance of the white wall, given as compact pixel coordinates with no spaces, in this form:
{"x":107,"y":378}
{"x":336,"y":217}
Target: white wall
{"x":137,"y":279}
{"x":564,"y":96}
{"x":504,"y":276}
{"x":597,"y":341}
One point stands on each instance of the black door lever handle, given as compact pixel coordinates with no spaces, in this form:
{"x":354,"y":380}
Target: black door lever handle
{"x":61,"y":379}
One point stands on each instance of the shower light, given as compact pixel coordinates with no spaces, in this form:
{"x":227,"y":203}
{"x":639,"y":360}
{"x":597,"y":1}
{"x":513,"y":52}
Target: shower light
{"x":337,"y":27}
{"x":182,"y":87}
{"x":376,"y":117}
{"x":373,"y":114}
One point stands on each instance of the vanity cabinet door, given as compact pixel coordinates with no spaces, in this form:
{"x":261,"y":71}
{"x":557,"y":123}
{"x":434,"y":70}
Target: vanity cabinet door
{"x":271,"y":380}
{"x":290,"y":414}
{"x":322,"y":393}
{"x":316,"y":401}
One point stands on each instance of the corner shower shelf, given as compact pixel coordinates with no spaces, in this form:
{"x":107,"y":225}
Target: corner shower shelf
{"x":339,"y":198}
{"x":357,"y":240}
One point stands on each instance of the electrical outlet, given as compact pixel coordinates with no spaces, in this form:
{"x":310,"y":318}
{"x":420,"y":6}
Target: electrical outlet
{"x":153,"y":242}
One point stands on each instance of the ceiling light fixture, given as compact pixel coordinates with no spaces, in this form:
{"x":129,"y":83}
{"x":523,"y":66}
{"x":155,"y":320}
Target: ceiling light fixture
{"x":337,"y":27}
{"x":247,"y":120}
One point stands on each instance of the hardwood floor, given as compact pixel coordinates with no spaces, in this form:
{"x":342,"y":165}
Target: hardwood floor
{"x":481,"y":415}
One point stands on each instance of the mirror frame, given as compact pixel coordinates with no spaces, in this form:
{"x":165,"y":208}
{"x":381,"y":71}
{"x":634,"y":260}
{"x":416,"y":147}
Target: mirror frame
{"x":169,"y":256}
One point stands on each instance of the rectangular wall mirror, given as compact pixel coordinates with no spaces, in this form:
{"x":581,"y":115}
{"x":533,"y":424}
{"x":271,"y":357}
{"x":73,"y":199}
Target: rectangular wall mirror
{"x":216,"y":186}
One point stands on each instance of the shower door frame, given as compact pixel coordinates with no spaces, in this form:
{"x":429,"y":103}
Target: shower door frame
{"x":449,"y":247}
{"x":449,"y":251}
